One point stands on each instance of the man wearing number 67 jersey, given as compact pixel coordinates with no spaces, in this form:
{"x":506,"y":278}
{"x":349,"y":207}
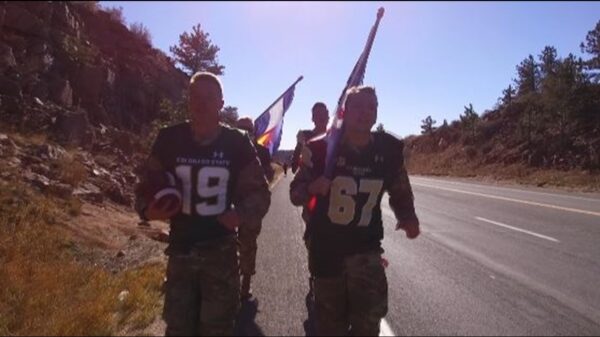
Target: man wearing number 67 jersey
{"x":345,"y":227}
{"x":215,"y":167}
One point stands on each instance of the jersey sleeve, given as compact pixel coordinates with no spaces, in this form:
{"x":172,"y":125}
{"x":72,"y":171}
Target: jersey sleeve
{"x":299,"y":195}
{"x":297,"y":150}
{"x":310,"y":168}
{"x":251,"y":195}
{"x":247,"y":152}
{"x":397,"y":183}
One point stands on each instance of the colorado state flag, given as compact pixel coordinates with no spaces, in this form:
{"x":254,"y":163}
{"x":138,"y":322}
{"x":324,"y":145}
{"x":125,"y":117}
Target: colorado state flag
{"x":268,"y":126}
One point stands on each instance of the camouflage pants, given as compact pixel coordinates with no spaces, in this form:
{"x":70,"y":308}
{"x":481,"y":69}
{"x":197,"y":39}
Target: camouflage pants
{"x":202,"y":291}
{"x":247,"y":236}
{"x":306,"y":237}
{"x":309,"y":259}
{"x":355,"y":302}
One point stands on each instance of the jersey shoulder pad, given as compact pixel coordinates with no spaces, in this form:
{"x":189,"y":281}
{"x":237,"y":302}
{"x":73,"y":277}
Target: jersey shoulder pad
{"x":390,"y":146}
{"x":239,"y":143}
{"x":388,"y":141}
{"x":169,"y":137}
{"x":234,"y":135}
{"x":176,"y":129}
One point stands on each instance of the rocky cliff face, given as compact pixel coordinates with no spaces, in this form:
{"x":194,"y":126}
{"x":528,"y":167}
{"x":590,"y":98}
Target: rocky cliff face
{"x":87,"y":88}
{"x":73,"y":67}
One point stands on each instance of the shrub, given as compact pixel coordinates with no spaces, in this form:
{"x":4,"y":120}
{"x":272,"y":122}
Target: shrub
{"x":141,"y":32}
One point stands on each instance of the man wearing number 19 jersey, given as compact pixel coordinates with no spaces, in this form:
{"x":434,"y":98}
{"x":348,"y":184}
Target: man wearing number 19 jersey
{"x":215,"y":168}
{"x":345,"y":226}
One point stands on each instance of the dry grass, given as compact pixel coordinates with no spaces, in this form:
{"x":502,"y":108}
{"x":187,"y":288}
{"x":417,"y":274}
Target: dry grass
{"x":45,"y":292}
{"x":73,"y":206}
{"x":453,"y":163}
{"x":25,"y":139}
{"x":70,"y":171}
{"x":38,"y":138}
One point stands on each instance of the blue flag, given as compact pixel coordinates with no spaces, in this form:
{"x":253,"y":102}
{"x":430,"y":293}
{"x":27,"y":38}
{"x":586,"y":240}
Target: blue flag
{"x":269,"y":125}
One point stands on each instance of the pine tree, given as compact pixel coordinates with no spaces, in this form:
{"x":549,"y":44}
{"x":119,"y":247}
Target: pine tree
{"x":428,"y":126}
{"x":469,"y":120}
{"x":196,"y":52}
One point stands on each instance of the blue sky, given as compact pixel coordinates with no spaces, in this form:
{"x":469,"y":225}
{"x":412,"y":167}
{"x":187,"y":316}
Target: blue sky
{"x":429,"y":58}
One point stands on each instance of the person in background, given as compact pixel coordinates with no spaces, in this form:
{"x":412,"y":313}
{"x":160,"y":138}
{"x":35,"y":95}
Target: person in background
{"x":248,"y":233}
{"x":320,"y":118}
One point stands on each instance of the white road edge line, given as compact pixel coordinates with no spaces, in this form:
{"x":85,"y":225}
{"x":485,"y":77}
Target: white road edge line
{"x":386,"y":211}
{"x":465,"y":184}
{"x":517,"y":229}
{"x":384,"y":329}
{"x":575,"y":210}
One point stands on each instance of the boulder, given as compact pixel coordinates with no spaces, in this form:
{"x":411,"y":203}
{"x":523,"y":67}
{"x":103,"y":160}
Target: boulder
{"x":73,"y":128}
{"x":61,"y":92}
{"x":13,"y":162}
{"x":37,"y":180}
{"x":38,"y":58}
{"x":122,"y":140}
{"x":7,"y":58}
{"x":10,"y":87}
{"x":40,"y":90}
{"x":88,"y":82}
{"x":49,"y":152}
{"x":114,"y":191}
{"x":89,"y":192}
{"x":41,"y":169}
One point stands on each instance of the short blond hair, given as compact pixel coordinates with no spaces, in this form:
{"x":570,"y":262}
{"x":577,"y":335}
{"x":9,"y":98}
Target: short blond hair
{"x":353,"y":91}
{"x":206,"y":76}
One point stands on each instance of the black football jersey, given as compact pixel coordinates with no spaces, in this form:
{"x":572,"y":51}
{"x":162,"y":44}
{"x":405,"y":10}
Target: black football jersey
{"x":206,"y":175}
{"x":348,"y":220}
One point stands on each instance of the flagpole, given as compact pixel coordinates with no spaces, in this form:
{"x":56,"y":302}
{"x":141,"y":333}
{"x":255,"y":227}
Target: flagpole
{"x":335,"y":131}
{"x":286,"y":90}
{"x":366,"y":50}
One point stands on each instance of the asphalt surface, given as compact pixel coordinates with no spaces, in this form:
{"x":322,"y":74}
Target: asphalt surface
{"x":491,"y":260}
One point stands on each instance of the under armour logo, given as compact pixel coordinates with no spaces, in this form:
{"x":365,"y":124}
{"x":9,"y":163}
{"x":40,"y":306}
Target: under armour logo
{"x":218,"y":154}
{"x":378,"y":158}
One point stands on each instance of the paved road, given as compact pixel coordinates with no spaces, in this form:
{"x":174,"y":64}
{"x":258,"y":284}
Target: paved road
{"x":491,"y":261}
